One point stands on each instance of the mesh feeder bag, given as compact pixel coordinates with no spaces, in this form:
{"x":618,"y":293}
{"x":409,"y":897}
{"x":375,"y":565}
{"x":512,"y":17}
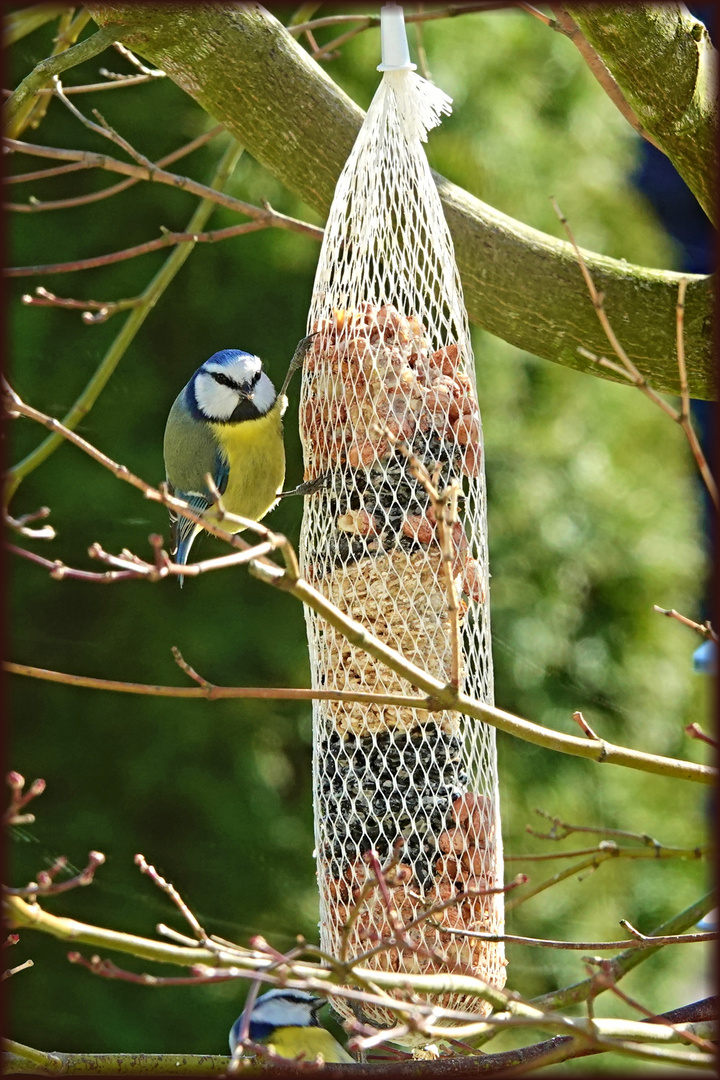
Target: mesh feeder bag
{"x":392,"y":364}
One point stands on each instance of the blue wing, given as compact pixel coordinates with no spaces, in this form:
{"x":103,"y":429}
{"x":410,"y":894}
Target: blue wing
{"x":183,"y":530}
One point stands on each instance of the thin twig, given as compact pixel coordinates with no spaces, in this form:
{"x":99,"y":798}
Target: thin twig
{"x":666,"y":852}
{"x":135,"y":60}
{"x":696,"y":732}
{"x":630,"y":372}
{"x":18,"y":106}
{"x":45,"y":886}
{"x":103,"y":308}
{"x":704,"y":629}
{"x":535,"y":13}
{"x":117,"y":82}
{"x":562,"y":829}
{"x":20,"y":798}
{"x":584,"y":946}
{"x":20,"y":525}
{"x":151,"y":172}
{"x":35,"y":205}
{"x":45,"y":174}
{"x":583,"y":725}
{"x":605,"y":978}
{"x":14,"y":971}
{"x":368,"y":21}
{"x":442,"y":695}
{"x":124,"y":337}
{"x":35,"y":107}
{"x":168,"y":239}
{"x":605,"y":851}
{"x":169,"y":889}
{"x":213,"y":692}
{"x":684,"y":417}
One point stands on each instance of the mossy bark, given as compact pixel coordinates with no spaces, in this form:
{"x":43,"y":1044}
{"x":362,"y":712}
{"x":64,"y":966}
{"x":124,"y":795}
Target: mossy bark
{"x":240,"y":64}
{"x":662,"y":59}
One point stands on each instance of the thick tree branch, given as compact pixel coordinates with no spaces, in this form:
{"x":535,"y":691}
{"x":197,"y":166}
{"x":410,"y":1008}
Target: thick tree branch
{"x":520,"y":284}
{"x":569,"y":27}
{"x":15,"y":107}
{"x":662,"y":59}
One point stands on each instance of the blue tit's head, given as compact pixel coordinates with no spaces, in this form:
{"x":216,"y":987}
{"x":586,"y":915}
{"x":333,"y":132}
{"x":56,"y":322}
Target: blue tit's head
{"x":278,"y":1009}
{"x":229,"y":387}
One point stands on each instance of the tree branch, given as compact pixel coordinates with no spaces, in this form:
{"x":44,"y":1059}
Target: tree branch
{"x":130,"y":327}
{"x":570,"y":29}
{"x":16,"y":106}
{"x":663,"y":61}
{"x":440,"y":695}
{"x":519,"y":283}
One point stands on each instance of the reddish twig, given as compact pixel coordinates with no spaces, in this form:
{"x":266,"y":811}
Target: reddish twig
{"x":168,"y":239}
{"x":95,"y":196}
{"x":103,"y":308}
{"x":19,"y":799}
{"x":20,"y":525}
{"x":266,"y":214}
{"x":107,"y":970}
{"x":630,"y":372}
{"x":211,"y":691}
{"x":170,"y":891}
{"x":583,"y":724}
{"x":704,"y":629}
{"x":189,"y":671}
{"x":562,"y":829}
{"x":46,"y":886}
{"x":696,"y":732}
{"x":606,"y":980}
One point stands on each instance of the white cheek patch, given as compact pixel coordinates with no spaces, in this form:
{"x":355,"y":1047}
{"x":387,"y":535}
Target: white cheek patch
{"x":263,"y":395}
{"x":216,"y":401}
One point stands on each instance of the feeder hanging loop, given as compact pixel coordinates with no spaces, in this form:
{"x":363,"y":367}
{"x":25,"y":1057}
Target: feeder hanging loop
{"x":393,"y":39}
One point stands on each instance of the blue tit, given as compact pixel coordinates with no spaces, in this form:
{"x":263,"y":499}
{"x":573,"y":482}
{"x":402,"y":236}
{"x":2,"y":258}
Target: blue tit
{"x":286,"y":1022}
{"x":227,"y":421}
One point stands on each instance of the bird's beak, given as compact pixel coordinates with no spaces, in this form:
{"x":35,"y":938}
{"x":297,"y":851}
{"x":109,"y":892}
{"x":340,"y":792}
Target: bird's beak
{"x":318,"y":1004}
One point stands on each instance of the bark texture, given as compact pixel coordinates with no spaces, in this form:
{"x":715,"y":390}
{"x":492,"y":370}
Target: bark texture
{"x":240,"y":64}
{"x":662,"y":59}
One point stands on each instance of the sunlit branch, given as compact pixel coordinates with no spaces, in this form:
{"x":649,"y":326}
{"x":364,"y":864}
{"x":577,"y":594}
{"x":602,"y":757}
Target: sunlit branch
{"x":130,"y":327}
{"x":69,"y":29}
{"x":440,"y":695}
{"x":162,"y":176}
{"x":627,"y":369}
{"x":645,"y":942}
{"x":35,"y":205}
{"x":704,"y":629}
{"x":629,"y":959}
{"x":567,"y":26}
{"x":17,"y":106}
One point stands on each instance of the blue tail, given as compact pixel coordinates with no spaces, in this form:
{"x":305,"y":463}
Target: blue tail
{"x":183,"y":549}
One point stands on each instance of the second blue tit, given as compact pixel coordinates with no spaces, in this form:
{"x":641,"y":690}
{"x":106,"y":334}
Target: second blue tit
{"x":227,"y":421}
{"x":286,"y":1022}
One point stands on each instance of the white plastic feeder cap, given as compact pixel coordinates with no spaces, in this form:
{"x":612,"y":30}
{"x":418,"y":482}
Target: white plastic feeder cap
{"x":395,"y":54}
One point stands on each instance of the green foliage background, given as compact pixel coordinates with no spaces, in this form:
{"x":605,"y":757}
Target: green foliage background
{"x":593,"y":517}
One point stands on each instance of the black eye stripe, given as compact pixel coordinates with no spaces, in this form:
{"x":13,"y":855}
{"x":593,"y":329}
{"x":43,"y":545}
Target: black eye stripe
{"x":225,"y":380}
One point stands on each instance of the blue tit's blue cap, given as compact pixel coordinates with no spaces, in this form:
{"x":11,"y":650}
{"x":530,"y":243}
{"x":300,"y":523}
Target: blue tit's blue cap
{"x":709,"y":923}
{"x":705,"y":658}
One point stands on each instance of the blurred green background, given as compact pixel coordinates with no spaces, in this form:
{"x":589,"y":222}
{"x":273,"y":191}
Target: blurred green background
{"x":594,"y":516}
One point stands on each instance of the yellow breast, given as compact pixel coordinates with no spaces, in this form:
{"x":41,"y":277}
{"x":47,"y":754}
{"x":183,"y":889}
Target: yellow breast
{"x":255,"y":451}
{"x":289,"y":1042}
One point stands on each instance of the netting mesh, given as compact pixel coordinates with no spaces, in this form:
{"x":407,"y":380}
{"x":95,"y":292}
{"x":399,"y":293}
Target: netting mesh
{"x":392,"y":362}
